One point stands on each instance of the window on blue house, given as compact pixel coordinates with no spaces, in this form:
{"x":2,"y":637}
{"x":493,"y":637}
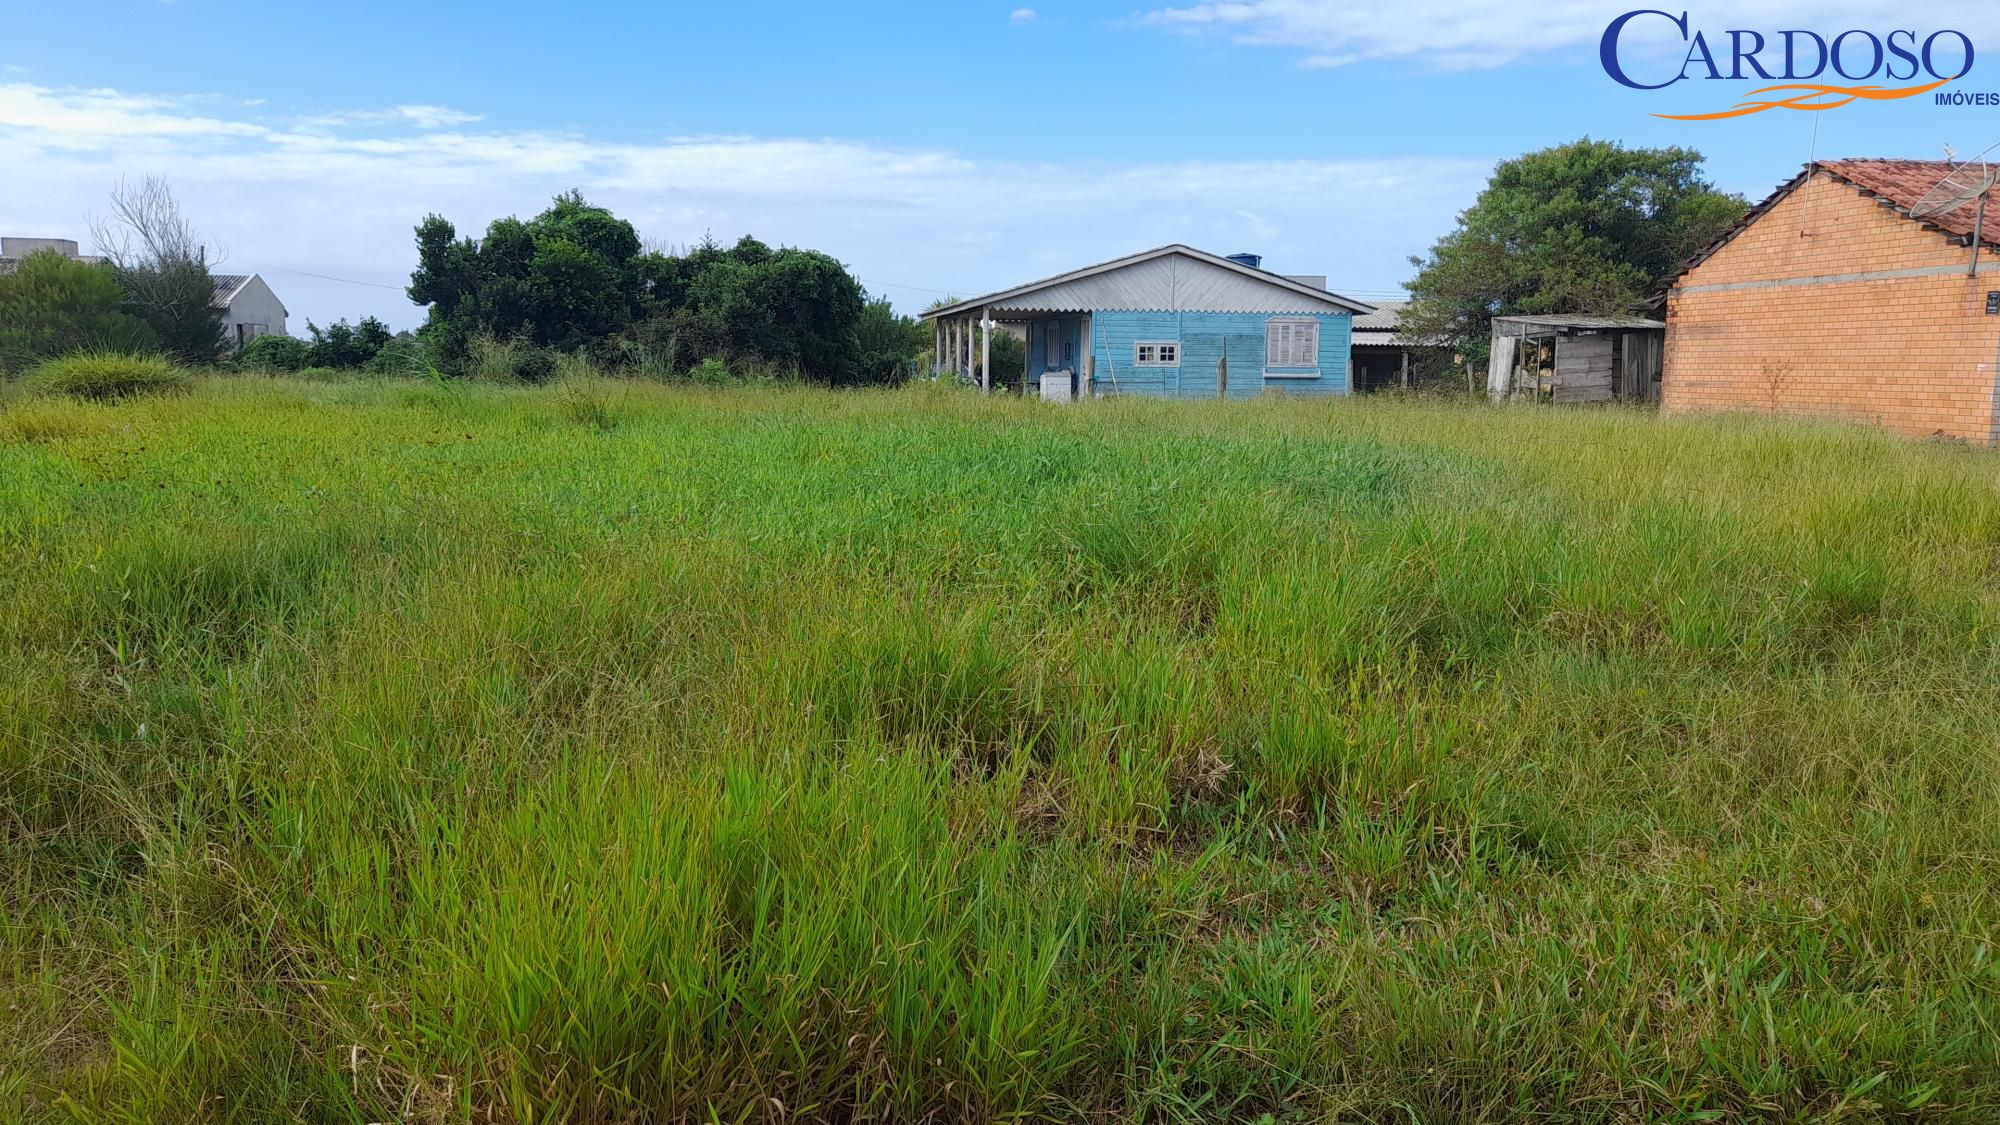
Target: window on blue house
{"x":1156,"y":353}
{"x":1291,"y":343}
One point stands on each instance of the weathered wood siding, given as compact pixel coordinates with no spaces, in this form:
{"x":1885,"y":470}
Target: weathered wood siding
{"x":1583,"y":368}
{"x":1640,"y":359}
{"x":1204,"y":338}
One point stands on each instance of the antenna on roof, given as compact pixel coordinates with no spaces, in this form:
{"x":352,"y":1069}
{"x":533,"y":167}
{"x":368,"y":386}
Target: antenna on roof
{"x":1974,"y":179}
{"x":1964,"y":183}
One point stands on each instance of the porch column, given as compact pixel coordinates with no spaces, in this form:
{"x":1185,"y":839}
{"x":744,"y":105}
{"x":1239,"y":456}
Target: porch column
{"x":1086,"y":369}
{"x":937,"y":347}
{"x":1027,"y":350}
{"x":986,"y":350}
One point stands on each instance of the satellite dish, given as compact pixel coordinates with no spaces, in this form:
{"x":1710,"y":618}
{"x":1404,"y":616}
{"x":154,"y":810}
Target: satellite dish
{"x":1960,"y":186}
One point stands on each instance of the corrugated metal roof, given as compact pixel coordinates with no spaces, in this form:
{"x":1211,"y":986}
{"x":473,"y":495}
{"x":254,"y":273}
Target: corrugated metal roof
{"x":1388,"y":316}
{"x":226,"y":285}
{"x":1380,"y":339}
{"x":1165,"y":279}
{"x":1566,"y":321}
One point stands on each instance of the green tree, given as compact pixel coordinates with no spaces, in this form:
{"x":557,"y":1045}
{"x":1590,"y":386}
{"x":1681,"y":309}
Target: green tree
{"x":341,"y":344}
{"x":54,"y":304}
{"x":796,"y":310}
{"x":888,"y":343}
{"x":566,"y":279}
{"x":1586,"y":227}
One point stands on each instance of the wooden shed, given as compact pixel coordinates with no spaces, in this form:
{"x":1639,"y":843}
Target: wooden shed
{"x":1576,"y":358}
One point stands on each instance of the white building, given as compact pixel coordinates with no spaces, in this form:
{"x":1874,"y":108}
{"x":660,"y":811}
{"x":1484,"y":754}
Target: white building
{"x":249,"y":308}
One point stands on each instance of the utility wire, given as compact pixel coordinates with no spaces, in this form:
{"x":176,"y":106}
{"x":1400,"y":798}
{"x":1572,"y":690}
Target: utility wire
{"x":309,"y":273}
{"x":1383,"y":293}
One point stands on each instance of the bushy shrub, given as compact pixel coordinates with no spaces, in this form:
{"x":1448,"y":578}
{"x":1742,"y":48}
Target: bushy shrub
{"x":488,"y":359}
{"x":711,"y":372}
{"x":275,"y":353}
{"x":177,"y":301}
{"x":534,"y":365}
{"x":404,"y":354}
{"x":341,"y":344}
{"x":102,"y":376}
{"x":53,"y":304}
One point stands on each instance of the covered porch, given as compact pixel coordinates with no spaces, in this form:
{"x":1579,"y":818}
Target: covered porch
{"x":1056,"y":345}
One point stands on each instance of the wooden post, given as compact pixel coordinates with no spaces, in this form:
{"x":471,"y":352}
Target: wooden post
{"x":1086,"y":372}
{"x":1027,"y":352}
{"x":1406,"y":369}
{"x":986,"y":350}
{"x":965,"y":346}
{"x":937,"y":346}
{"x":1222,"y":373}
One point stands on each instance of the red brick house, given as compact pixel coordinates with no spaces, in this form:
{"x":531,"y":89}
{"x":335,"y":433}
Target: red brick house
{"x":1828,"y":298}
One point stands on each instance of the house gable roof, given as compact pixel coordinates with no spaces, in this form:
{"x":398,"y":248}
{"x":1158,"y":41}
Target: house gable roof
{"x":1168,"y":278}
{"x":227,"y":285}
{"x":1896,"y":184}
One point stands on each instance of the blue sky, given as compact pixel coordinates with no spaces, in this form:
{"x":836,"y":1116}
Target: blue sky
{"x":933,"y":147}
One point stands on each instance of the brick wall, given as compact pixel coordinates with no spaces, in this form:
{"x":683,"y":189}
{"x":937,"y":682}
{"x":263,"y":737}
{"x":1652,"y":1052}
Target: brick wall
{"x":1915,"y":354}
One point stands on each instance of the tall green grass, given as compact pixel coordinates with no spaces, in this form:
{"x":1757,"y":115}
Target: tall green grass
{"x":382,"y":751}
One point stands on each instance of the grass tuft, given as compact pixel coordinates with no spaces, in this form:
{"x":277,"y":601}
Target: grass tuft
{"x":104,"y":376}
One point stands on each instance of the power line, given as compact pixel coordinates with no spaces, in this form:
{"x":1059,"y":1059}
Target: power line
{"x":918,"y":288}
{"x":1382,"y":293}
{"x":309,"y":273}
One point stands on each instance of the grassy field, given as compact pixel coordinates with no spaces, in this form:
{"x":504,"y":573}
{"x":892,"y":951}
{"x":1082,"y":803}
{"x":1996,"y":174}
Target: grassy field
{"x":382,"y":752}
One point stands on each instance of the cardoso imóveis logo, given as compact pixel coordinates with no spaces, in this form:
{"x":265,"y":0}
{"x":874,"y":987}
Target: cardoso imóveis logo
{"x":1800,"y":65}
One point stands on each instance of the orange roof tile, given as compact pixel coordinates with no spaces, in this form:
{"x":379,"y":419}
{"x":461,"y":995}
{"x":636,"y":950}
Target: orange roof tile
{"x":1900,"y":183}
{"x":1904,"y":182}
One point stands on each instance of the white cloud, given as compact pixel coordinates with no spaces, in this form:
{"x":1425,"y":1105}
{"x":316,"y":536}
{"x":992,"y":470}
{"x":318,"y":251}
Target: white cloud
{"x":420,"y":116}
{"x":1473,"y":34}
{"x":342,"y":202}
{"x":1022,"y":15}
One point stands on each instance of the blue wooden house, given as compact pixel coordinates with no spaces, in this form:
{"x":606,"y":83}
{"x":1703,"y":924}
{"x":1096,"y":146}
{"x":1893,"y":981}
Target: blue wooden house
{"x":1174,"y":322}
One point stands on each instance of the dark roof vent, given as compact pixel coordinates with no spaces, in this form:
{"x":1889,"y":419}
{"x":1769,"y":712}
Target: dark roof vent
{"x":1254,"y":261}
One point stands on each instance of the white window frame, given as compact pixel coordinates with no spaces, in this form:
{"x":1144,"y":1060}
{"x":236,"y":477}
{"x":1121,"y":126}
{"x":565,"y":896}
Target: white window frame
{"x":1163,"y":353}
{"x":1288,"y":339}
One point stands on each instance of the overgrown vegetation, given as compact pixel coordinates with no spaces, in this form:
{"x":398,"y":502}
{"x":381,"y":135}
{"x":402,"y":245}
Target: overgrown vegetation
{"x":161,"y":262}
{"x":441,"y":752}
{"x":364,"y":346}
{"x":574,"y":279}
{"x":53,"y":304}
